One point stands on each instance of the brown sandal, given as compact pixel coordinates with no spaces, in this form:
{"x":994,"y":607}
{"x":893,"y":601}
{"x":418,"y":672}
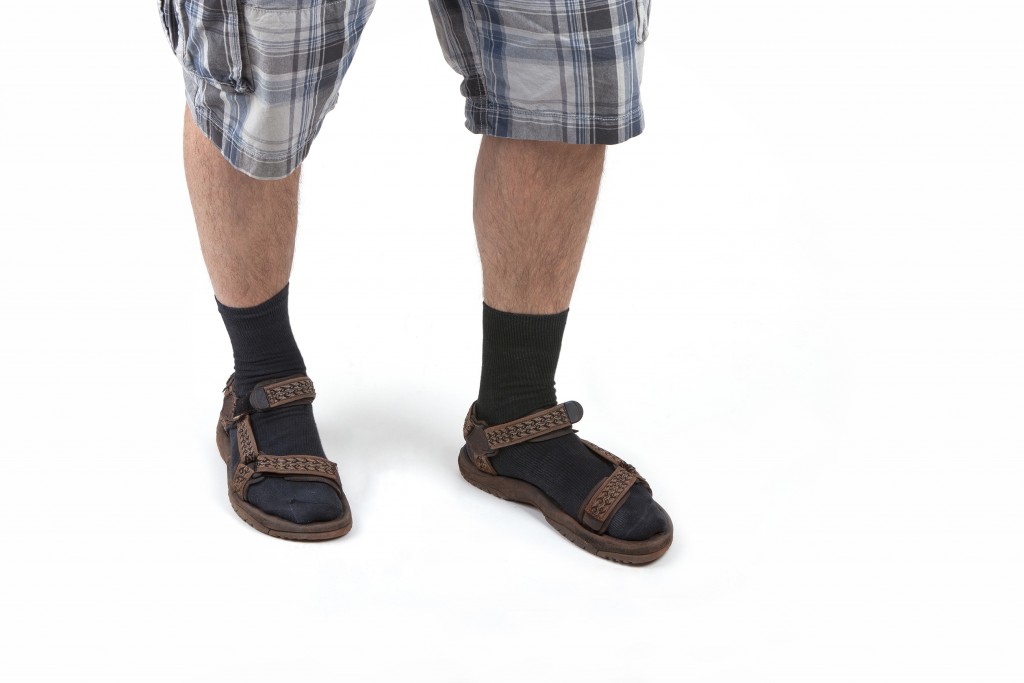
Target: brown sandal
{"x":253,"y":464}
{"x":588,"y":528}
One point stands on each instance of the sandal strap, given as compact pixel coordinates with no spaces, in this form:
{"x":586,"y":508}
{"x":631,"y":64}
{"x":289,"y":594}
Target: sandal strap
{"x":282,"y":392}
{"x":606,"y":498}
{"x":484,"y":440}
{"x":296,"y":464}
{"x":240,"y":482}
{"x":293,"y":466}
{"x":247,"y":450}
{"x":611,"y":492}
{"x":533,"y":425}
{"x":252,"y":462}
{"x":266,"y":396}
{"x":300,"y":466}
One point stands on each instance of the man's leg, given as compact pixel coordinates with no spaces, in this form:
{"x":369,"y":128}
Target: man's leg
{"x":247,"y":234}
{"x":533,"y":205}
{"x":246,"y":226}
{"x":258,"y":87}
{"x":548,"y":91}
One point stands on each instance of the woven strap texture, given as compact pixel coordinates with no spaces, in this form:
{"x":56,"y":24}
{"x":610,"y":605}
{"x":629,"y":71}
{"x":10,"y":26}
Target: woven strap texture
{"x":251,"y":461}
{"x":300,"y":466}
{"x":607,"y":499}
{"x":531,"y":426}
{"x":247,"y":450}
{"x":282,"y":392}
{"x":483,"y":440}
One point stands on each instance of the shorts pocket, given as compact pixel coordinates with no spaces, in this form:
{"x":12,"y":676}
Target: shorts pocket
{"x":170,"y":22}
{"x":208,"y":38}
{"x":643,"y":17}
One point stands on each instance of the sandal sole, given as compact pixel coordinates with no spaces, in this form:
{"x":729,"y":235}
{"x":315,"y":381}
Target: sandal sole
{"x":273,"y":525}
{"x":519,"y":491}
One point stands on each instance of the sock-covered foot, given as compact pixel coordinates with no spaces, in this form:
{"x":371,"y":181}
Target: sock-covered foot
{"x":264,"y":349}
{"x":520,"y":356}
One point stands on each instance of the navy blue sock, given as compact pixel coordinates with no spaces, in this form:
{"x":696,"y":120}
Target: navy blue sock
{"x":265,"y":349}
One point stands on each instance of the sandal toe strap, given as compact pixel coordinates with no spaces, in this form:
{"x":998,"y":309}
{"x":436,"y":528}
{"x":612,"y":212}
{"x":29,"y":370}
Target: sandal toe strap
{"x":300,"y":467}
{"x":606,"y":498}
{"x":296,"y":464}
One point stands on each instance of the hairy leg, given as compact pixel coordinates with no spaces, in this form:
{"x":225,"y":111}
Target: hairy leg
{"x":246,"y":226}
{"x":532,"y":207}
{"x":247,"y":233}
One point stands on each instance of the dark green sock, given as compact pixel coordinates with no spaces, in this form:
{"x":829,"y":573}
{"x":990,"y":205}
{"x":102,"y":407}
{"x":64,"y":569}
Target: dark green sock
{"x":517,"y":377}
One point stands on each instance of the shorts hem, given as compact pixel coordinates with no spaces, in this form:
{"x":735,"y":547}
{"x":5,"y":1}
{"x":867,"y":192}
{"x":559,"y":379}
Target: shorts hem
{"x":485,"y":118}
{"x":251,"y":163}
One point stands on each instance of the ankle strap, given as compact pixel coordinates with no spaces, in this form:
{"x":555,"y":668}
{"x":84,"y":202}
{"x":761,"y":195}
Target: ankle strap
{"x":271,"y":394}
{"x":282,"y":392}
{"x":484,"y":440}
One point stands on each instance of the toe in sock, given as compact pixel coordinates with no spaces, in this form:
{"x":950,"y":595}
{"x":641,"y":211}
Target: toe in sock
{"x":520,"y":357}
{"x":291,"y":430}
{"x":264,"y":348}
{"x":566,"y":470}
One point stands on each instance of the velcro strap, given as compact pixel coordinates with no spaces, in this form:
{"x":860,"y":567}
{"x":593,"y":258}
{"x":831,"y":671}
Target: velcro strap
{"x":282,"y":392}
{"x":608,"y":498}
{"x":299,"y":465}
{"x":295,"y":464}
{"x":533,"y":425}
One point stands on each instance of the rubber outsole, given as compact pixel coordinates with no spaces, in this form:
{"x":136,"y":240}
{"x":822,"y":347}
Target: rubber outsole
{"x":607,"y":547}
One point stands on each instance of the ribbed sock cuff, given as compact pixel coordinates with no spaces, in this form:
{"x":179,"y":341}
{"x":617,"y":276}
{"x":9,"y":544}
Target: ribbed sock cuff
{"x":255,"y":317}
{"x":520,"y":356}
{"x":262,"y":341}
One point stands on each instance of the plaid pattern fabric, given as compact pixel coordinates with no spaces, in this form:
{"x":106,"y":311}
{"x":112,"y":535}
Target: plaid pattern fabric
{"x":261,"y":75}
{"x":564,"y":70}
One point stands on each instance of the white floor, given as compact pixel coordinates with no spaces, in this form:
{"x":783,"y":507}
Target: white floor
{"x":800,"y":316}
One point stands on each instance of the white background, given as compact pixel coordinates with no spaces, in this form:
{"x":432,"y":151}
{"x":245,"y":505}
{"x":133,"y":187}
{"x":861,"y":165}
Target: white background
{"x":799,"y":316}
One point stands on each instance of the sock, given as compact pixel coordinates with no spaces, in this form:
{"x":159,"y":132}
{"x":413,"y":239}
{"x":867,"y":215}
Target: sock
{"x":517,"y":377}
{"x":520,"y":356}
{"x":262,"y":342}
{"x":264,"y":349}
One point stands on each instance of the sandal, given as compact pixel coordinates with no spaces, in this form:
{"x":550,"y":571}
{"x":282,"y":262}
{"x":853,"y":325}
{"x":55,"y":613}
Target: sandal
{"x":588,"y":527}
{"x":252,"y":465}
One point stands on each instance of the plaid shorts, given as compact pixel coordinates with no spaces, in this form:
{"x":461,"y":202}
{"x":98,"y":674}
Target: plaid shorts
{"x":261,"y":75}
